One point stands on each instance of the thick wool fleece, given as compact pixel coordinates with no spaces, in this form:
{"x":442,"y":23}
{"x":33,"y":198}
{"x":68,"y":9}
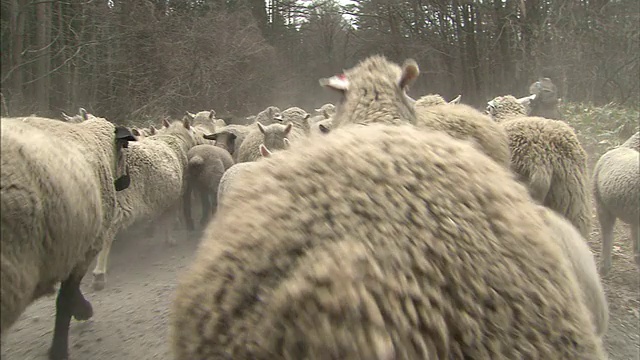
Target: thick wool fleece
{"x":380,"y":242}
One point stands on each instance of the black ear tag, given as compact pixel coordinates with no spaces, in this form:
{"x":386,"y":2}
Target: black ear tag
{"x":123,"y":181}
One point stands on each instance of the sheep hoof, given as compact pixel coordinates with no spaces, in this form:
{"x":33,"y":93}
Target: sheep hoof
{"x":604,"y":270}
{"x":99,"y":281}
{"x":82,"y":310}
{"x":56,"y":353}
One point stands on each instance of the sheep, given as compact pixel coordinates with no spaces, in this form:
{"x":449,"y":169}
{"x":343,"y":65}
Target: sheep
{"x":205,"y":120}
{"x":206,"y":165}
{"x":230,"y":138}
{"x":78,"y":118}
{"x":229,"y":178}
{"x":273,"y":136}
{"x":576,"y":249}
{"x":327,"y":110}
{"x":633,"y":142}
{"x":466,"y":123}
{"x":380,"y":242}
{"x":503,"y":108}
{"x":435,"y":99}
{"x":374,"y":91}
{"x":545,"y":100}
{"x":299,"y":118}
{"x":159,"y":163}
{"x":141,"y":133}
{"x":616,"y":185}
{"x":321,"y":127}
{"x":268,"y":116}
{"x":548,"y":157}
{"x":58,"y":195}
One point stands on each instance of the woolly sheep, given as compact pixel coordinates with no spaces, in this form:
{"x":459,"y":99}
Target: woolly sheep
{"x":380,"y":242}
{"x":58,"y":195}
{"x":80,"y":117}
{"x":545,"y":100}
{"x":435,"y":99}
{"x":231,"y":176}
{"x":322,"y":127}
{"x":327,"y":110}
{"x":507,"y":107}
{"x":299,"y":118}
{"x":577,"y":250}
{"x":273,"y":136}
{"x":616,"y":185}
{"x":548,"y":157}
{"x":466,"y":123}
{"x":268,"y":116}
{"x":206,"y":165}
{"x":374,"y":91}
{"x":159,"y":163}
{"x":230,"y":138}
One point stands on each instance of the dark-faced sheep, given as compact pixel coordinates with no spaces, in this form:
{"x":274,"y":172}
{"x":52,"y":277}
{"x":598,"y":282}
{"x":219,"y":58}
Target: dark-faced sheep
{"x":380,"y":242}
{"x":58,"y":195}
{"x":374,"y":91}
{"x":206,"y":165}
{"x":159,"y":162}
{"x":616,"y":188}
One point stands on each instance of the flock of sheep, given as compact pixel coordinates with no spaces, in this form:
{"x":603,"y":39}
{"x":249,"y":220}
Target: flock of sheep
{"x":382,"y":228}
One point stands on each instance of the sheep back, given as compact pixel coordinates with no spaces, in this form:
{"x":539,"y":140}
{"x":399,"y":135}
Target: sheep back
{"x":577,"y":250}
{"x":58,"y":196}
{"x":548,"y":157}
{"x":466,"y":123}
{"x":616,"y":184}
{"x":380,"y":242}
{"x":207,"y":163}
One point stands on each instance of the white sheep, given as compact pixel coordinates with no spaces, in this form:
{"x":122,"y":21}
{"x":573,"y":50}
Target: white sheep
{"x":616,"y":188}
{"x":374,"y":91}
{"x":380,"y":242}
{"x":273,"y":136}
{"x":236,"y":171}
{"x":58,"y":195}
{"x":206,"y":165}
{"x":435,"y":99}
{"x":159,"y":162}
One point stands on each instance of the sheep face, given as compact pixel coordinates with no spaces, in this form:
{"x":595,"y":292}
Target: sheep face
{"x":224,"y":140}
{"x":122,"y":137}
{"x":374,"y":91}
{"x":504,"y":107}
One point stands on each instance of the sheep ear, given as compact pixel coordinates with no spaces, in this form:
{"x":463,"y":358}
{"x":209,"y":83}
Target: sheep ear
{"x":411,"y":100}
{"x":264,"y":151}
{"x":212,"y":114}
{"x":210,"y":136}
{"x":261,"y":127}
{"x":287,"y":129}
{"x":410,"y":72}
{"x":84,"y":114}
{"x":190,"y":115}
{"x":165,"y":123}
{"x":323,"y":129}
{"x":456,"y":100}
{"x":152,"y":130}
{"x":337,"y":82}
{"x":307,"y":116}
{"x":124,"y":134}
{"x":186,"y":123}
{"x":66,"y":117}
{"x":278,"y":116}
{"x":287,"y":143}
{"x":526,"y":100}
{"x":135,"y":131}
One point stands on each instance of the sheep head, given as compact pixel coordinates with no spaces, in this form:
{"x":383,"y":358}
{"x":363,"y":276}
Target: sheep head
{"x":374,"y":91}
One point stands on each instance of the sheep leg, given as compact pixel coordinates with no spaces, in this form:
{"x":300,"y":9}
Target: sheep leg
{"x":70,"y":302}
{"x":166,"y":222}
{"x":186,"y":207}
{"x":607,"y":221}
{"x":100,"y":271}
{"x":539,"y":184}
{"x":206,"y":207}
